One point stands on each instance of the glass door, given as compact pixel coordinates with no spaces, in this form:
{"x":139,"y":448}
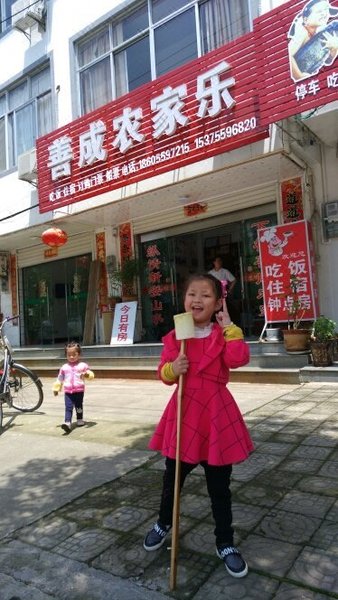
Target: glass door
{"x":159,"y":288}
{"x":54,"y":300}
{"x":253,"y":304}
{"x":167,"y":263}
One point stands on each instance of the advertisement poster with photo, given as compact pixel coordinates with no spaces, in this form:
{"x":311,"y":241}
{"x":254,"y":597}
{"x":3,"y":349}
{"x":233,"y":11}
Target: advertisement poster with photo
{"x":286,"y":255}
{"x":301,"y":72}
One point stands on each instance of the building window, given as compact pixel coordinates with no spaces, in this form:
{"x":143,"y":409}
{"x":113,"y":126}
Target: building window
{"x":5,"y":14}
{"x":150,"y":40}
{"x":25,"y":114}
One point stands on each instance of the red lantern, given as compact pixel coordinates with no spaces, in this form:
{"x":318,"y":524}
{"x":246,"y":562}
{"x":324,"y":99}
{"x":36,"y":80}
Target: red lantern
{"x":54,"y":237}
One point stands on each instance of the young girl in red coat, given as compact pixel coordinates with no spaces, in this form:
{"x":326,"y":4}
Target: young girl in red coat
{"x":213,"y":432}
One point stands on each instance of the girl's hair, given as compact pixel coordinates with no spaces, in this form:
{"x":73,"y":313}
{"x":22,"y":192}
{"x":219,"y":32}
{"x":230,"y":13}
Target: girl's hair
{"x":71,"y":346}
{"x":215,"y":283}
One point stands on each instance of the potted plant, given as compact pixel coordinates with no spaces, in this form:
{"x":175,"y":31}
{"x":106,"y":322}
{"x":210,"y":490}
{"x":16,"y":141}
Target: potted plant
{"x":123,"y":279}
{"x":296,"y":338}
{"x":321,"y":342}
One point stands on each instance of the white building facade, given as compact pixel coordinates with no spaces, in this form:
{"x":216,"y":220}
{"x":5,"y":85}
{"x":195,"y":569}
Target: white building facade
{"x":64,"y":65}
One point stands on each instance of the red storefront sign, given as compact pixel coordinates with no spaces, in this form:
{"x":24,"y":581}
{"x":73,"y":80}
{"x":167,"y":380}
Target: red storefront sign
{"x":296,"y":70}
{"x":292,"y":200}
{"x":204,"y":108}
{"x":287,"y":251}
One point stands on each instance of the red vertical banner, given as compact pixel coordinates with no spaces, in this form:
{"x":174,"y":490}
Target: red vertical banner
{"x":126,"y":241}
{"x":100,"y":241}
{"x":14,"y":284}
{"x":292,"y":200}
{"x":126,"y":252}
{"x":286,"y":252}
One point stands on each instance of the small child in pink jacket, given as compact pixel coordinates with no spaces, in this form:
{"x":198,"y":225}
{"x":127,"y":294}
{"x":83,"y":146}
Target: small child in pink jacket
{"x":71,"y":376}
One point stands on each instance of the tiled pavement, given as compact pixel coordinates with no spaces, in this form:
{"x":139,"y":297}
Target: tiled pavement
{"x":285,"y":505}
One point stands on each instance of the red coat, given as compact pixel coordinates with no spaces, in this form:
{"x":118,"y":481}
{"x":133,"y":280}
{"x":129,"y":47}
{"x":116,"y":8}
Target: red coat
{"x":213,"y":429}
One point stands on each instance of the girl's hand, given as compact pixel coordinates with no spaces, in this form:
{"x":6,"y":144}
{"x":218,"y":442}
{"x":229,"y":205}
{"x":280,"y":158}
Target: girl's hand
{"x":223,"y":317}
{"x":180,"y":365}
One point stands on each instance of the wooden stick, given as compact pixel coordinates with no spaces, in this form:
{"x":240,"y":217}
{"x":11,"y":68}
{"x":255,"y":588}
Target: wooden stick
{"x":176,"y":508}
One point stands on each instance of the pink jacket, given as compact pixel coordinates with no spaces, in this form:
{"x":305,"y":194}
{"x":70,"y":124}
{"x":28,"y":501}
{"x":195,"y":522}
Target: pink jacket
{"x":70,"y":376}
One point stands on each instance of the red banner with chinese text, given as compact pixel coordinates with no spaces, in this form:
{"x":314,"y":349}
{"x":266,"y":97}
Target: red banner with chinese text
{"x":286,"y":251}
{"x":100,"y":240}
{"x":292,"y":200}
{"x":203,"y":108}
{"x":14,"y":284}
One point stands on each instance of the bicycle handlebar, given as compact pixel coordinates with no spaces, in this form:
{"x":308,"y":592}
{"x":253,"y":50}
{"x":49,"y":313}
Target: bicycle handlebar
{"x":6,"y":320}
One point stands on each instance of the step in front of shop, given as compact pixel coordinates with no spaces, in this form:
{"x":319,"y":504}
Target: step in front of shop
{"x":269,"y":363}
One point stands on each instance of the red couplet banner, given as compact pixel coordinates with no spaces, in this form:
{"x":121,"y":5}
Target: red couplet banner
{"x":286,"y":253}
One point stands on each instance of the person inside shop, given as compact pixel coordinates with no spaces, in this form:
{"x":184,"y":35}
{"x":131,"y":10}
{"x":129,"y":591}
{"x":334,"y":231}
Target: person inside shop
{"x":223,"y":274}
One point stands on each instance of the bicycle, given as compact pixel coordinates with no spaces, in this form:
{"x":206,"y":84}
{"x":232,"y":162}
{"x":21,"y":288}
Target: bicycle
{"x":20,"y":388}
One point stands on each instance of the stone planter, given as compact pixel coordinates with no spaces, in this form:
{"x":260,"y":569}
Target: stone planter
{"x":296,"y":340}
{"x":322,"y":353}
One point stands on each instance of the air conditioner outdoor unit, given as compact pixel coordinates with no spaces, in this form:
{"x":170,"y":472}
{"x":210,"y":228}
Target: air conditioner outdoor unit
{"x":25,"y":14}
{"x":27,"y":170}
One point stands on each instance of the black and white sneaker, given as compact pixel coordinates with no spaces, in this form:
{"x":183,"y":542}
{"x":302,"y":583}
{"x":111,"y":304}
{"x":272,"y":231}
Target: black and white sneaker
{"x":67,"y":427}
{"x":233,"y":560}
{"x":155,"y":537}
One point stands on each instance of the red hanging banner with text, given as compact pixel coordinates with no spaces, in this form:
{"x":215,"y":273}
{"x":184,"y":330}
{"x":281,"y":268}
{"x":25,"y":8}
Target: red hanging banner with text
{"x":286,"y":252}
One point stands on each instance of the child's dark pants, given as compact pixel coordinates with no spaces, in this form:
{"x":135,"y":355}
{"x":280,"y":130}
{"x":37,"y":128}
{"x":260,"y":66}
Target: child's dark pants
{"x":74,"y":400}
{"x":218,"y":484}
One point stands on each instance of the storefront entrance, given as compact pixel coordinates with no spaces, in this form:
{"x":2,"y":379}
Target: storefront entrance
{"x":54,"y":300}
{"x":169,"y":261}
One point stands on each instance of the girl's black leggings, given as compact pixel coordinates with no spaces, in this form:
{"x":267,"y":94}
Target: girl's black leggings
{"x":218,"y":485}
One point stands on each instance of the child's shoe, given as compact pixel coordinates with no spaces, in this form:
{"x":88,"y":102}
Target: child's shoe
{"x":80,"y":423}
{"x":233,"y":560}
{"x":155,"y":537}
{"x":67,"y":427}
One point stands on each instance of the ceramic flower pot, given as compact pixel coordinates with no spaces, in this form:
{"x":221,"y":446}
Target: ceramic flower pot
{"x":296,"y":340}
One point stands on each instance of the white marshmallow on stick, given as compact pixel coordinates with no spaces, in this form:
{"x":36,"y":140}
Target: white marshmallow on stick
{"x":184,"y":326}
{"x":184,"y":329}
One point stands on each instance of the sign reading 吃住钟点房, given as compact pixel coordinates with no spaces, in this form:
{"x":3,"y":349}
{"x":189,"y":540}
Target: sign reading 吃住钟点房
{"x":286,"y":254}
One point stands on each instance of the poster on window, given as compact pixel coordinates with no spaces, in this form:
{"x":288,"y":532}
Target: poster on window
{"x":287,"y":261}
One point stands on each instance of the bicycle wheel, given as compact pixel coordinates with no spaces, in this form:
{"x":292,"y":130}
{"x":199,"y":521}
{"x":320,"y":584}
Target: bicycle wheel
{"x":25,"y":388}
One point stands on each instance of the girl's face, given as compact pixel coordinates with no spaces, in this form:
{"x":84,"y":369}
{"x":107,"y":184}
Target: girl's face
{"x":72,"y":355}
{"x":200,"y":300}
{"x":319,"y":15}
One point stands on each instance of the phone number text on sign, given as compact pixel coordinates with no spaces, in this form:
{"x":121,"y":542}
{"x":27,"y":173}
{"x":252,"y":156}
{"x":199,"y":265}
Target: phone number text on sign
{"x":200,"y":142}
{"x":226,"y":132}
